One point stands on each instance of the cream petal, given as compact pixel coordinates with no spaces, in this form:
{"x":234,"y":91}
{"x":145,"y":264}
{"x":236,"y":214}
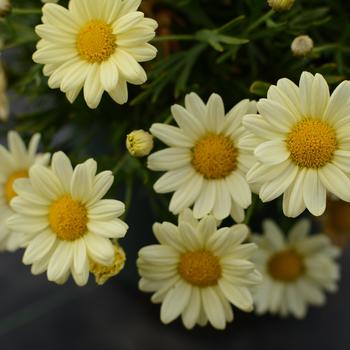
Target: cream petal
{"x":319,"y":96}
{"x":260,"y":128}
{"x":128,"y":67}
{"x":100,"y":249}
{"x":120,"y":94}
{"x":338,"y":106}
{"x":341,"y":159}
{"x":80,"y":259}
{"x":174,"y":179}
{"x":190,"y":125}
{"x":60,"y":17}
{"x":18,"y":149}
{"x":175,"y":302}
{"x":39,"y":247}
{"x":206,"y":199}
{"x":279,"y":95}
{"x":169,"y":159}
{"x":81,"y":183}
{"x":206,"y":228}
{"x":238,"y":296}
{"x":213,"y":308}
{"x":292,"y":91}
{"x":273,"y":235}
{"x":335,"y":181}
{"x":81,"y":279}
{"x":237,"y":213}
{"x":101,"y":185}
{"x":186,"y":195}
{"x":195,"y":106}
{"x":299,"y":231}
{"x":27,"y":224}
{"x":222,"y":206}
{"x":168,"y":234}
{"x":272,"y":152}
{"x":62,"y":167}
{"x":45,"y":182}
{"x":191,"y":312}
{"x":234,"y":117}
{"x":93,"y":89}
{"x":239,"y":189}
{"x":266,"y":172}
{"x":110,"y":229}
{"x":277,"y":116}
{"x":129,"y":6}
{"x":295,"y":303}
{"x":189,"y":236}
{"x":305,"y":93}
{"x":106,"y":209}
{"x":22,"y":206}
{"x":215,"y":116}
{"x":293,"y":201}
{"x":314,"y":193}
{"x":142,"y":52}
{"x":61,"y":261}
{"x":271,"y":190}
{"x":126,"y":22}
{"x":171,"y":135}
{"x":74,"y":81}
{"x":25,"y":190}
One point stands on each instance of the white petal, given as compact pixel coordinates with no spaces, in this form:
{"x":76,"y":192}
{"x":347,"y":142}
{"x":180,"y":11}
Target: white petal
{"x":314,"y":193}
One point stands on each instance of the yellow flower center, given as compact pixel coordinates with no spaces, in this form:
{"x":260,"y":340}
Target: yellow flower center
{"x":68,"y":218}
{"x":312,"y":143}
{"x":96,"y":41}
{"x":214,"y":156}
{"x":200,"y":268}
{"x":104,"y":273}
{"x":286,"y":266}
{"x":9,"y":191}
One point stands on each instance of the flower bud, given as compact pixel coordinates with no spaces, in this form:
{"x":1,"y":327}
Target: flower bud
{"x":139,"y":143}
{"x":5,"y":8}
{"x":281,"y":5}
{"x":302,"y":45}
{"x":104,"y":273}
{"x":4,"y":104}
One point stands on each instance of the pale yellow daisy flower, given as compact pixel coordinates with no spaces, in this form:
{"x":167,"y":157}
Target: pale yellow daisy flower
{"x":205,"y":165}
{"x":197,"y":270}
{"x":301,"y":141}
{"x":296,"y":270}
{"x":95,"y":46}
{"x":15,"y":164}
{"x":63,"y":220}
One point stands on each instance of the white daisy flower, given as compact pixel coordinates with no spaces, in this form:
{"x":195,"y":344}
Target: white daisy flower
{"x":14,"y":164}
{"x":296,"y":270}
{"x":95,"y":45}
{"x":302,"y":144}
{"x":197,"y":270}
{"x":205,"y":165}
{"x":63,"y":220}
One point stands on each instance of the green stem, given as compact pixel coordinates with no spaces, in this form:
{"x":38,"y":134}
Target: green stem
{"x":26,"y":11}
{"x":120,"y":164}
{"x":174,"y":38}
{"x":128,"y":196}
{"x":260,"y":20}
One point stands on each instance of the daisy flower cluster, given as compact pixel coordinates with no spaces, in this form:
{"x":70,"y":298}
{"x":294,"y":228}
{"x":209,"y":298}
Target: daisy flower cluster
{"x":219,"y":168}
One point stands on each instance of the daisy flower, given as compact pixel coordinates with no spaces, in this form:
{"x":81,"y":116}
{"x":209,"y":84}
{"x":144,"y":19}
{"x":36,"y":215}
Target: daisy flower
{"x":197,"y":270}
{"x":95,"y":45}
{"x":302,"y":145}
{"x":63,"y":220}
{"x":14,"y":164}
{"x":296,"y":270}
{"x":205,"y":164}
